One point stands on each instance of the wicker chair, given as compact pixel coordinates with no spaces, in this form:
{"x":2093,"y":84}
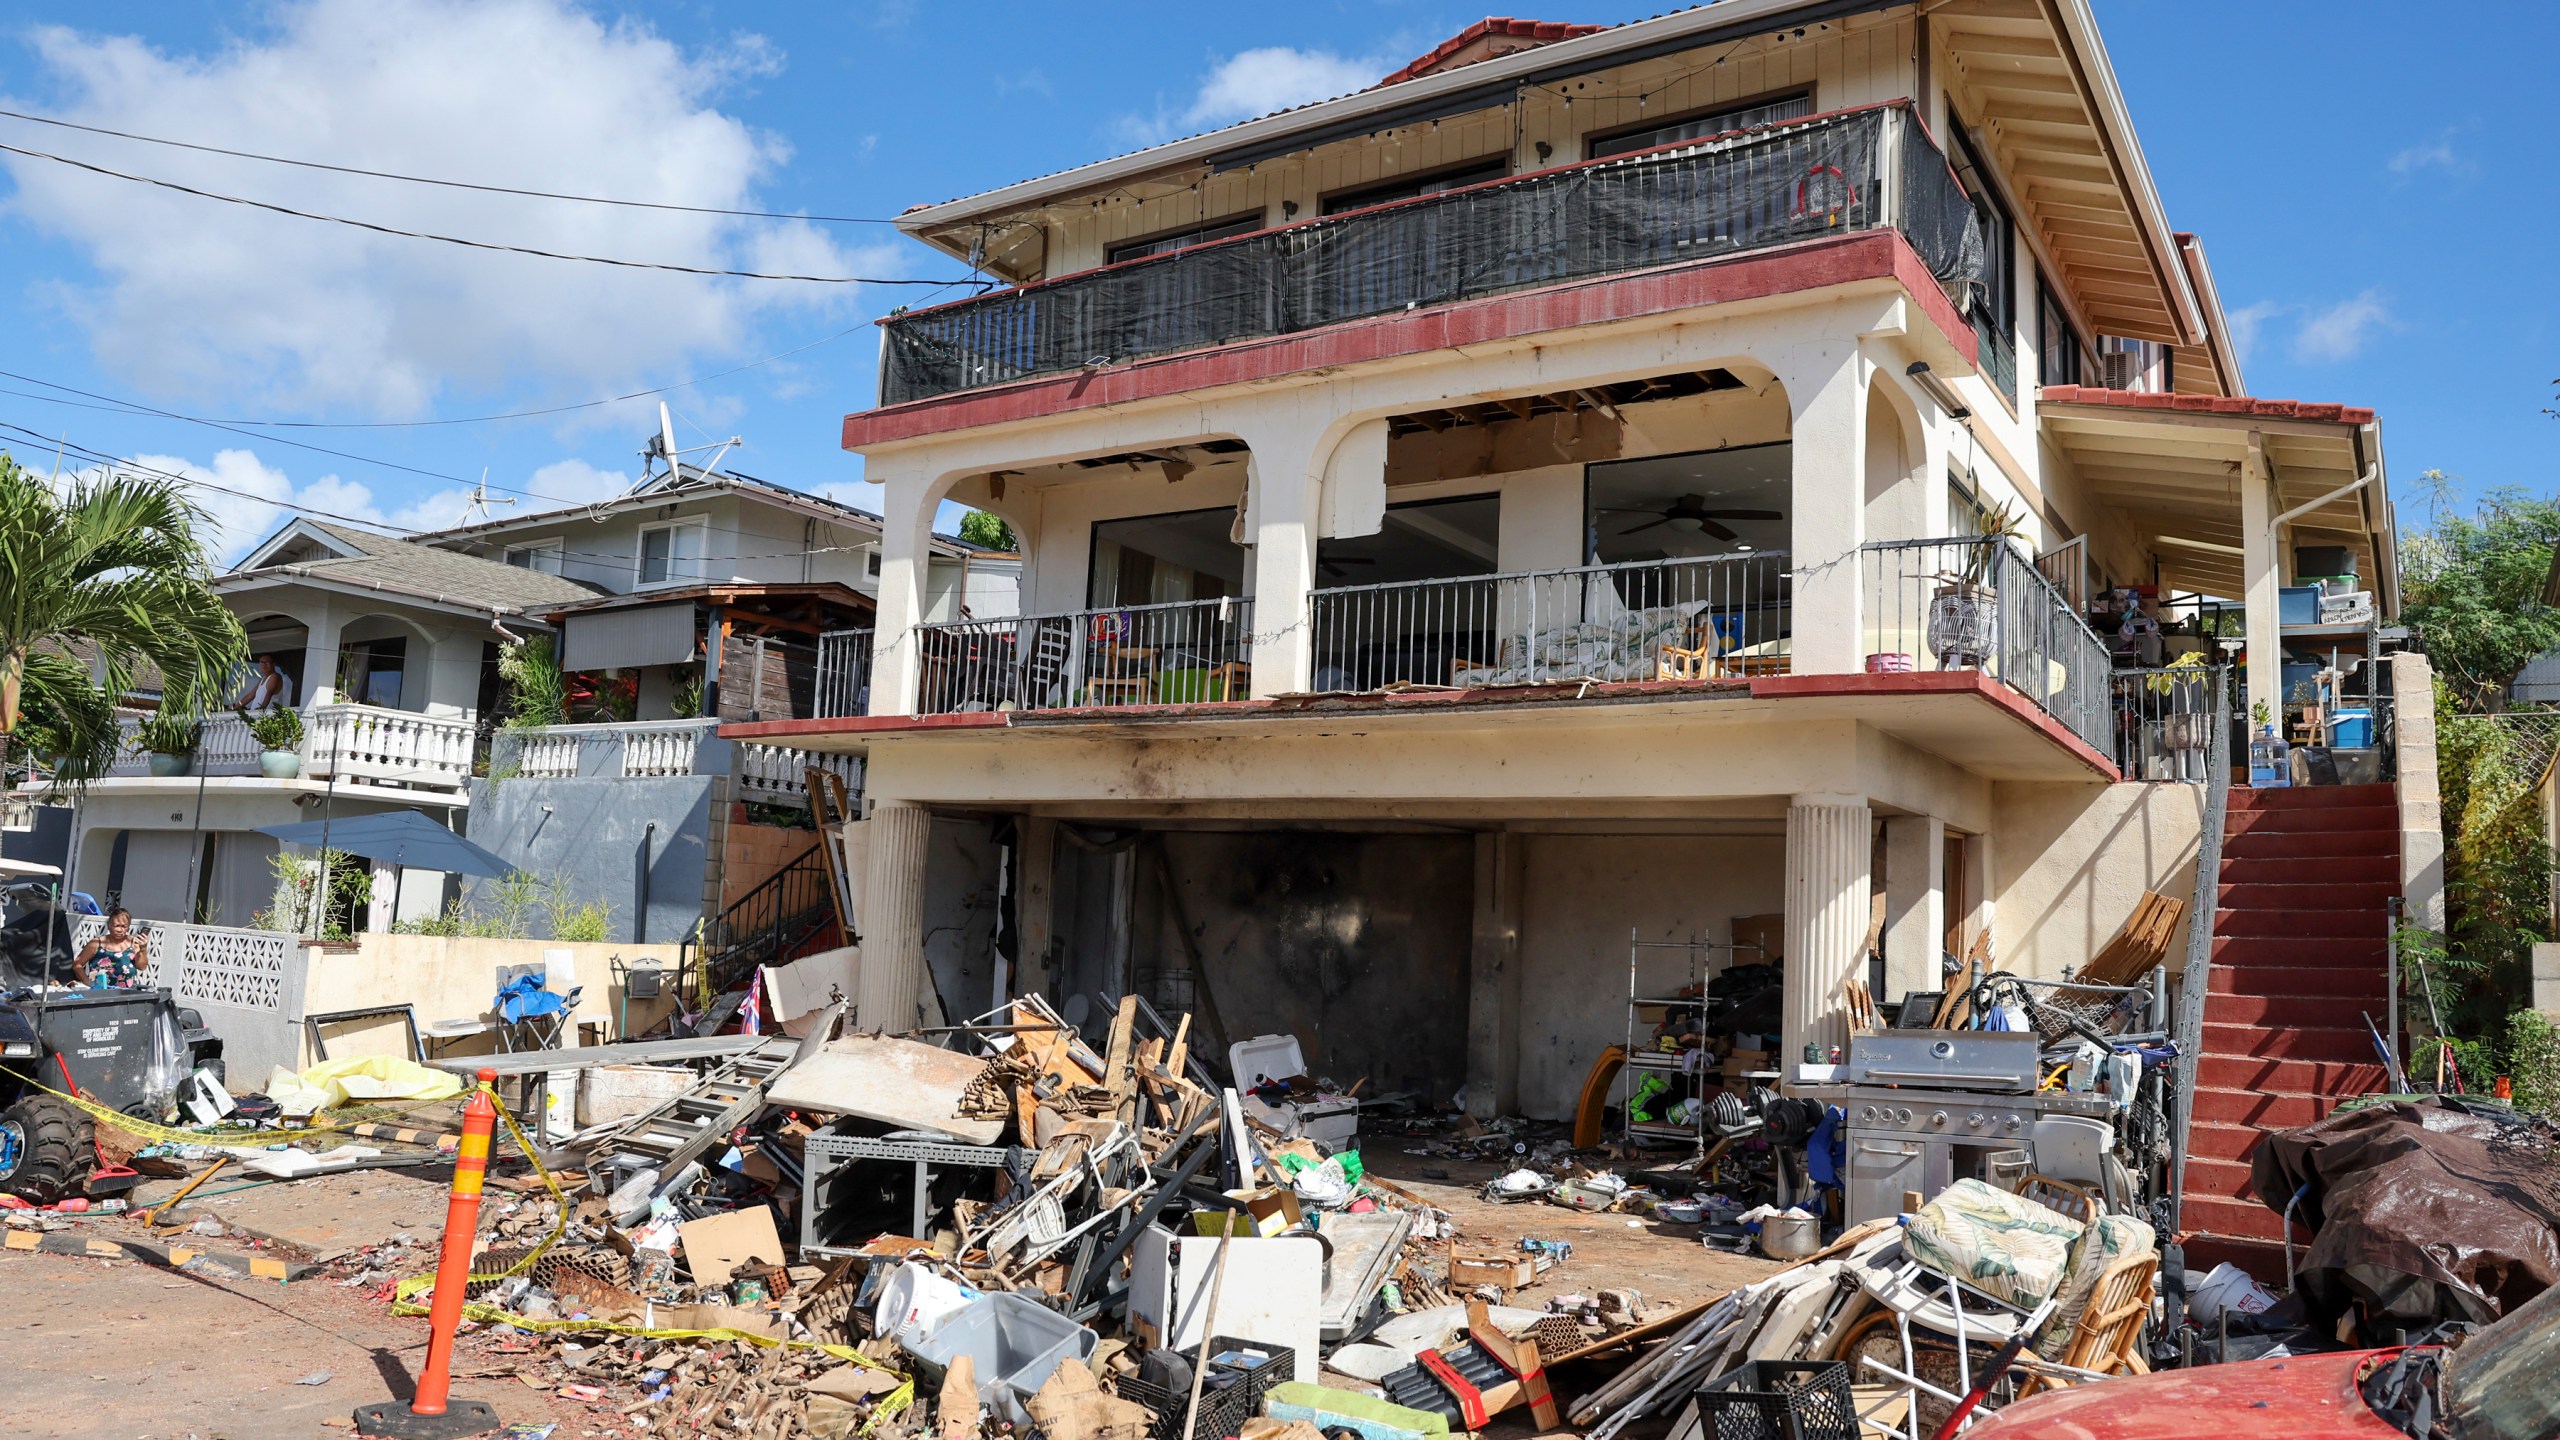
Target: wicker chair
{"x":2108,"y":1339}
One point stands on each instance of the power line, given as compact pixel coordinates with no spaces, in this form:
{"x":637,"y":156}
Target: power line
{"x":87,"y":455}
{"x":477,"y":244}
{"x":448,"y":184}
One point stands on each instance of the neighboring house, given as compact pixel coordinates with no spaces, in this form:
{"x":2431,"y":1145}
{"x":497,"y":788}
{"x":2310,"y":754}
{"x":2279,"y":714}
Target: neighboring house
{"x":756,"y":598}
{"x":1533,"y":504}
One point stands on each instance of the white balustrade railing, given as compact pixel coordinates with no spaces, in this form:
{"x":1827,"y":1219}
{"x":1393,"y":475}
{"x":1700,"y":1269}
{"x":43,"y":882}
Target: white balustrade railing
{"x":779,"y":775}
{"x":546,"y":754}
{"x":663,"y":747}
{"x":367,"y":742}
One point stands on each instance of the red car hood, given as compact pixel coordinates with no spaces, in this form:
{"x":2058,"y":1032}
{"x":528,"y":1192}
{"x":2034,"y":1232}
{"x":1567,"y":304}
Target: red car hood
{"x":2307,"y":1397}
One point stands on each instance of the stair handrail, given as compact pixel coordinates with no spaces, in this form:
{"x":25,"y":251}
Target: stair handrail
{"x":2197,"y":978}
{"x":768,"y":896}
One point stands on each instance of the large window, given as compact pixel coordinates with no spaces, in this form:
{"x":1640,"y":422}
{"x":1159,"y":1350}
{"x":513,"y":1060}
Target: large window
{"x":1995,"y":299}
{"x":671,"y":554}
{"x":1412,"y":187}
{"x":1420,"y":540}
{"x":1160,"y":559}
{"x":1184,"y":238}
{"x":2061,"y":355}
{"x":1675,"y":507}
{"x":1698,"y":125}
{"x":542,"y":555}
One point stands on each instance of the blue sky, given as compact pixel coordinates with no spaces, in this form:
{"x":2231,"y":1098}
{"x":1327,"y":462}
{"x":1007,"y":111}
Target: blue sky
{"x":2376,"y":196}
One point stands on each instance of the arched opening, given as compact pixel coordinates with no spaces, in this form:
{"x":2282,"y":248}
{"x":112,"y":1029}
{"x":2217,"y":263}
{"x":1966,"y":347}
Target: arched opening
{"x":383,"y":661}
{"x":283,"y":642}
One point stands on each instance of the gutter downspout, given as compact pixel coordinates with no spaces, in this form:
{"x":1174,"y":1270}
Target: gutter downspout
{"x":2341,"y":493}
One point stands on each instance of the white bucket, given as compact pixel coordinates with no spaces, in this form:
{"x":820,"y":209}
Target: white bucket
{"x":914,"y":1300}
{"x":2228,"y":1288}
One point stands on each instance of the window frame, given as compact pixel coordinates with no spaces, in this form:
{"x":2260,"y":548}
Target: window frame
{"x":1592,"y":140}
{"x":1393,"y":190}
{"x":1207,"y":232}
{"x":700,"y":525}
{"x":1989,"y":192}
{"x":2050,"y":314}
{"x":557,"y":546}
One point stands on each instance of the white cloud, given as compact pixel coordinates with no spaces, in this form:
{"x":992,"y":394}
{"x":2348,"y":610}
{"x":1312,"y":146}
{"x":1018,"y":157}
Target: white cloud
{"x":198,"y":298}
{"x":1275,"y":77}
{"x":2437,"y":154}
{"x":255,"y":497}
{"x":2248,"y":322}
{"x":2340,"y":332}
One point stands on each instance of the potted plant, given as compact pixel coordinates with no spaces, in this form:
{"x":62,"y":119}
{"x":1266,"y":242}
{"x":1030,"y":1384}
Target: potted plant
{"x":278,"y":731}
{"x":170,"y":739}
{"x":1962,"y":616}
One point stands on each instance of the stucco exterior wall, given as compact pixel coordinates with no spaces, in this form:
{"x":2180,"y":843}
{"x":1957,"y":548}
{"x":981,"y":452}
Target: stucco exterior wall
{"x":2069,"y":862}
{"x":591,"y":831}
{"x":444,"y":978}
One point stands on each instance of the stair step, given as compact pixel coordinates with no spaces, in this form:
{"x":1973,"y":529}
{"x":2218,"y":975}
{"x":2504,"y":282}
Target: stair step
{"x":2257,"y":1042}
{"x":2363,"y":984}
{"x":2280,"y":1075}
{"x":2300,"y":924}
{"x":2332,"y":870}
{"x":2332,"y":1012}
{"x":2307,"y":893}
{"x":2262,"y":1259}
{"x":2262,"y":1110}
{"x":2311,"y":845}
{"x":2311,"y":797}
{"x":2348,"y":819}
{"x":2221,"y":1173}
{"x":2238,"y":1219}
{"x":2345,"y":952}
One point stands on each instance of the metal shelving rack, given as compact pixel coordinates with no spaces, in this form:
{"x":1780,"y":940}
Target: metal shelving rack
{"x":1644,"y":1060}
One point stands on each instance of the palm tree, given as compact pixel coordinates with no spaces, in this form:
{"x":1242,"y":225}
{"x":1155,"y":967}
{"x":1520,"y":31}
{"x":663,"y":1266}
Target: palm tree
{"x":116,"y":563}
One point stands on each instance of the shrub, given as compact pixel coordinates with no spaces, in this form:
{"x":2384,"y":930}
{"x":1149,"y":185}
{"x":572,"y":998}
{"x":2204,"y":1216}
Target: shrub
{"x":168,"y":732}
{"x":2533,"y":1062}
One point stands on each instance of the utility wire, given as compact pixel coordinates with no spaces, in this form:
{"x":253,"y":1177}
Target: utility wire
{"x":448,"y":184}
{"x":478,"y":244}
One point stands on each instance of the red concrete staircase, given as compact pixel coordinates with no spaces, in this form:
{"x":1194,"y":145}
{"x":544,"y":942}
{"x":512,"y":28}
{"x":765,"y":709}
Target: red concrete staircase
{"x":2299,"y":959}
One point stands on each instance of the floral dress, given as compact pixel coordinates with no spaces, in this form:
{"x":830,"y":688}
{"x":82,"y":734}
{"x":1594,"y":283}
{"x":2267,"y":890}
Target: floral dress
{"x":116,"y":966}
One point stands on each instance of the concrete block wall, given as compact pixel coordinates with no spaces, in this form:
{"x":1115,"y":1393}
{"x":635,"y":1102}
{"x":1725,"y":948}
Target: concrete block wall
{"x":748,"y":855}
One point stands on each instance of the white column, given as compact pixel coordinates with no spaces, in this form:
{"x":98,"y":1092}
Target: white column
{"x":890,"y":995}
{"x":1915,"y":904}
{"x":1826,"y":386}
{"x":2260,"y":579}
{"x":907,"y":505}
{"x":1283,"y":488}
{"x":320,"y":658}
{"x":2419,"y":792}
{"x":452,"y":675}
{"x":1829,"y":847}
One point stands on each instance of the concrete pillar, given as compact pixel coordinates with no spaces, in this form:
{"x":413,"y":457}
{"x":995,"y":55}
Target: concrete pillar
{"x":893,"y":965}
{"x":1493,"y":981}
{"x":2413,"y":702}
{"x":1915,"y":904}
{"x":907,"y":505}
{"x":1284,"y":488}
{"x":320,"y":657}
{"x":1830,"y":843}
{"x":452,"y":678}
{"x":1826,"y":388}
{"x":2260,"y":578}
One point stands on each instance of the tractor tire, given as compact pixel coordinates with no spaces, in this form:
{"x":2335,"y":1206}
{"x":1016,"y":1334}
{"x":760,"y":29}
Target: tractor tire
{"x":47,"y":1149}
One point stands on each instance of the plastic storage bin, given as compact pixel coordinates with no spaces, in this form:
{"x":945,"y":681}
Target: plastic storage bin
{"x":1779,"y":1400}
{"x":1015,"y":1345}
{"x":1228,"y":1398}
{"x":2298,"y":605}
{"x":2354,"y":729}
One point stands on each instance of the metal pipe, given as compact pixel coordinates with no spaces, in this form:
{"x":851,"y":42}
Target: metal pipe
{"x":2340,"y":493}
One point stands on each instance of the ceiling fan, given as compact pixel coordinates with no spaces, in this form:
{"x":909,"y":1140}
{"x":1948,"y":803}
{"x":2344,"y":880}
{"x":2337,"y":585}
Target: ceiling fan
{"x":1332,"y":564}
{"x":1693,"y":508}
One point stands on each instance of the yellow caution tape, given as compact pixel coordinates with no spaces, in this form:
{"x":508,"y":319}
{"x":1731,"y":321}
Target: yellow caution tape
{"x":227,"y":1135}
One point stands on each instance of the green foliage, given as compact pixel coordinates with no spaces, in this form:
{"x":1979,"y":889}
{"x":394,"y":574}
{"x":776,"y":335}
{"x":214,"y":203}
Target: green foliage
{"x":686,"y":702}
{"x":303,"y":905}
{"x":988,"y":531}
{"x":2471,"y":586}
{"x":277,"y":727}
{"x":520,"y":907}
{"x":537,"y":693}
{"x":2533,"y":1062}
{"x":2497,"y":863}
{"x":168,"y":731}
{"x":2476,"y":1059}
{"x":118,"y":564}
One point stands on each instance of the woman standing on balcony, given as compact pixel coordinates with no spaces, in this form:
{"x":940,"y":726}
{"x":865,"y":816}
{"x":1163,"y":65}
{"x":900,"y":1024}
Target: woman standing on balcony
{"x":267,"y":687}
{"x":115,"y":960}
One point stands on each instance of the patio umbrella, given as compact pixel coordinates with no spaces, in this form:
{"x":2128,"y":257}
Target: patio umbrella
{"x":403,"y":839}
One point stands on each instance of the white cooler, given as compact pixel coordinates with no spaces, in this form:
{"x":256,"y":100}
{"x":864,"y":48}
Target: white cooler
{"x":1330,"y":1120}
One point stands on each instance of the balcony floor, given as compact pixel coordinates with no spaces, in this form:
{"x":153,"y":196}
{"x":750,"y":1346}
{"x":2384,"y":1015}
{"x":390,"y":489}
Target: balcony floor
{"x":1961,"y":716}
{"x":186,"y":786}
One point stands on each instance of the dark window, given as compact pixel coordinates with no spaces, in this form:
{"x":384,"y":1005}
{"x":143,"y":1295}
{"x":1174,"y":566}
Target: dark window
{"x":1410,"y":187}
{"x":1180,"y":239}
{"x":1698,"y":125}
{"x":2061,"y":354}
{"x":1419,"y":540}
{"x":1161,"y":559}
{"x":1995,"y":301}
{"x":1676,"y":507}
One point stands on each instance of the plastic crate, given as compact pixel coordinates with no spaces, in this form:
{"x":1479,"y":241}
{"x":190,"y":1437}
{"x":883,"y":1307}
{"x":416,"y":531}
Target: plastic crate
{"x":1779,"y":1400}
{"x":1223,"y":1408}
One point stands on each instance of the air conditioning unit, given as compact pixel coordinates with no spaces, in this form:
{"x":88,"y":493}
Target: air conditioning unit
{"x":2121,"y":370}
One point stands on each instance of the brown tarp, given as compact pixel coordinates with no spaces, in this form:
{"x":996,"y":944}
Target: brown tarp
{"x":2418,"y":1212}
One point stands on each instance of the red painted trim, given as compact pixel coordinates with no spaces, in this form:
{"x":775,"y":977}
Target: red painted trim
{"x":1767,"y":687}
{"x":2208,"y":404}
{"x":1813,"y":265}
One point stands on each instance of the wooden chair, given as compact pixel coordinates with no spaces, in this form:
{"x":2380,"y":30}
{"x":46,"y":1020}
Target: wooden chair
{"x":1689,"y":662}
{"x":2060,"y":1196}
{"x":2108,"y":1339}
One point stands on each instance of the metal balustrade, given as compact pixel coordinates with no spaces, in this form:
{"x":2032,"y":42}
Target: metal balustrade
{"x":1867,"y":169}
{"x":1178,"y":653}
{"x":1979,"y":603}
{"x":844,"y":673}
{"x":1712,"y":617}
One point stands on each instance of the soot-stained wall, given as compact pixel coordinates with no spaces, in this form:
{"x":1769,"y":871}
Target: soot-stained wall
{"x":1355,"y":943}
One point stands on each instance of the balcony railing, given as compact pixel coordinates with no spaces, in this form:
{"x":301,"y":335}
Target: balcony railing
{"x":1856,"y":170}
{"x":844,"y":673}
{"x":1980,"y":604}
{"x":652,"y":749}
{"x":1186,"y":651}
{"x":347,"y":742}
{"x":1710,"y":618}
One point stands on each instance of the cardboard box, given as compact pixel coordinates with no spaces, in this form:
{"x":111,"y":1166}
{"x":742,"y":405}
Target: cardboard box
{"x":1508,"y":1269}
{"x":1268,"y":1211}
{"x":716,"y":1245}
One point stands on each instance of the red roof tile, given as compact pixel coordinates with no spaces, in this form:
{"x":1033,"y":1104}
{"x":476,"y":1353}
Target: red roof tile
{"x":1492,"y":28}
{"x":2208,"y":404}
